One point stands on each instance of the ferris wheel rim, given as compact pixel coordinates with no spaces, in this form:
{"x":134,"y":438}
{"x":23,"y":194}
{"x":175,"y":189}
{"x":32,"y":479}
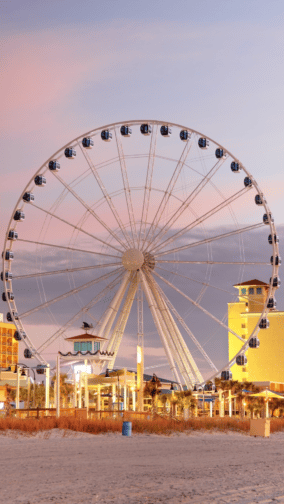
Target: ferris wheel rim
{"x":113,"y":126}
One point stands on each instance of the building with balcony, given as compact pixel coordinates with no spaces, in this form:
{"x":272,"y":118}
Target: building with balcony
{"x":265,"y":364}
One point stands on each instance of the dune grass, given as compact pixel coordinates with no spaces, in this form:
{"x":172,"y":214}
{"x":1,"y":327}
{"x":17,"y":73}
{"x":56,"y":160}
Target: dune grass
{"x":157,"y":426}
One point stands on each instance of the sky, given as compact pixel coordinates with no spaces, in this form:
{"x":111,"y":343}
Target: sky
{"x":67,"y":68}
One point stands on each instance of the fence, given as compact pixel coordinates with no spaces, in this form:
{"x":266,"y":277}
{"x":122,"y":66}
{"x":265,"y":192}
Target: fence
{"x":80,"y":413}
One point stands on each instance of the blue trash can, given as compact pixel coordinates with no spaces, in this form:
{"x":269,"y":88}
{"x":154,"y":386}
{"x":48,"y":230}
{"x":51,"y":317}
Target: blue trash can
{"x":127,"y":428}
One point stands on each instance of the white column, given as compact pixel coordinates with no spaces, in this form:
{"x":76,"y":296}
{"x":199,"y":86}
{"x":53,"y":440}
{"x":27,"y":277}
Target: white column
{"x":113,"y":394}
{"x":124,"y":392}
{"x":133,"y":400}
{"x":230,"y":403}
{"x":80,"y":389}
{"x":266,"y":409}
{"x":221,"y":404}
{"x":86,"y":394}
{"x":18,"y":388}
{"x":99,"y":398}
{"x":47,"y":373}
{"x":54,"y":391}
{"x":58,"y":386}
{"x":211,"y":409}
{"x":75,"y":392}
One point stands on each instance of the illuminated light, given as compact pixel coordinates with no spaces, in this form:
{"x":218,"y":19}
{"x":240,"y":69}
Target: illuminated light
{"x":81,"y":368}
{"x":139,"y":354}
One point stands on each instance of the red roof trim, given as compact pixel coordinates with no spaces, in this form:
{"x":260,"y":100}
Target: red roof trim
{"x":252,"y":282}
{"x":85,"y":336}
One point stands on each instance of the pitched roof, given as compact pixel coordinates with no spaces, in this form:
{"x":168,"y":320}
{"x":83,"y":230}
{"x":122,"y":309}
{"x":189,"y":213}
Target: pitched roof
{"x":252,"y":282}
{"x":85,"y":336}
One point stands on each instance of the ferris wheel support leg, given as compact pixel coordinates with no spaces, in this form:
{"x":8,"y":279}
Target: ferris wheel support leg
{"x":140,"y":352}
{"x":113,"y":303}
{"x":58,"y":386}
{"x":121,"y":323}
{"x":151,"y":304}
{"x":112,"y":317}
{"x":184,"y":367}
{"x":188,"y":331}
{"x":184,"y":350}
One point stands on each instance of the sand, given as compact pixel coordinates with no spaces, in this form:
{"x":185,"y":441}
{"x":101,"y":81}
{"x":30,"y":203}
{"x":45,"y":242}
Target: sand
{"x":197,"y":468}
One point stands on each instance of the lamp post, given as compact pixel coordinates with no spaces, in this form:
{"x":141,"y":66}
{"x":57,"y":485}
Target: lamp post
{"x":20,"y":367}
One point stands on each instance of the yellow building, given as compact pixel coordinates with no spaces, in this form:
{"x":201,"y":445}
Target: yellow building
{"x":9,"y":347}
{"x":265,"y":363}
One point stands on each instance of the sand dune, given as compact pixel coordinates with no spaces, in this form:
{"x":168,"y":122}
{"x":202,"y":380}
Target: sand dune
{"x":198,"y":468}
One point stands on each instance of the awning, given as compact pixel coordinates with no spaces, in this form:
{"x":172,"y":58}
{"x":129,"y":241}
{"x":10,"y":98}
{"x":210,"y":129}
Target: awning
{"x":267,"y":394}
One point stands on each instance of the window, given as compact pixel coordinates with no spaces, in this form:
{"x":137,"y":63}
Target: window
{"x":259,"y":290}
{"x":251,"y":290}
{"x":97,"y":346}
{"x":243,"y":291}
{"x":243,"y":336}
{"x":86,"y":345}
{"x":243,"y":326}
{"x":82,"y":347}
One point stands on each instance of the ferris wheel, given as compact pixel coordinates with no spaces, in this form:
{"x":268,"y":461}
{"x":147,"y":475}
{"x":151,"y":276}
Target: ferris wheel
{"x":142,"y":227}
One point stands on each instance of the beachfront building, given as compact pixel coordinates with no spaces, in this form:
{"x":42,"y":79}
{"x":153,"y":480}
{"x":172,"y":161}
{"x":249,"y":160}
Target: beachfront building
{"x":264,"y":364}
{"x":8,"y":345}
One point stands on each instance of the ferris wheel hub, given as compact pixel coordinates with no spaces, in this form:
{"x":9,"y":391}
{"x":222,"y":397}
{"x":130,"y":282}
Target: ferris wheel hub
{"x":133,"y":259}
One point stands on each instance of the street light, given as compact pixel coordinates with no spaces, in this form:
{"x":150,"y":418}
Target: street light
{"x":23,"y":367}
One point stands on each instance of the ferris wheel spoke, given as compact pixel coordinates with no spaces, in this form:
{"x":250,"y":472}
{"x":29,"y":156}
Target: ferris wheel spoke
{"x":208,"y":285}
{"x":169,"y":190}
{"x":85,"y":309}
{"x":186,"y":328}
{"x":209,"y":240}
{"x":76,"y":227}
{"x":106,"y":195}
{"x":66,"y":248}
{"x":185,"y":204}
{"x":155,"y":316}
{"x":205,"y":284}
{"x":185,"y":361}
{"x":199,"y":220}
{"x":67,"y":270}
{"x":199,"y":306}
{"x":126,"y":188}
{"x":148,"y":185}
{"x":90,"y":210}
{"x":243,"y":263}
{"x":69,"y":293}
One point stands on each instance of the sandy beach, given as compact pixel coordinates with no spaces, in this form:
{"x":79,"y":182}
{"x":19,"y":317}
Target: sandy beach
{"x":57,"y":467}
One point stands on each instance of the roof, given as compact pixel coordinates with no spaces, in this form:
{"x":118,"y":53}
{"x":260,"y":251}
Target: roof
{"x":85,"y":336}
{"x":252,"y":282}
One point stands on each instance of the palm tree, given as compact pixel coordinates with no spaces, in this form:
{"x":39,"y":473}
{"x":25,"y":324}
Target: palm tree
{"x":9,"y":398}
{"x":238,"y":388}
{"x":164,"y":398}
{"x":153,"y":389}
{"x":186,"y":401}
{"x":65,"y":388}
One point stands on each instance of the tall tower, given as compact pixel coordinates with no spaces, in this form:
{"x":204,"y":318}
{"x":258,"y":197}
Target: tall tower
{"x":265,"y":363}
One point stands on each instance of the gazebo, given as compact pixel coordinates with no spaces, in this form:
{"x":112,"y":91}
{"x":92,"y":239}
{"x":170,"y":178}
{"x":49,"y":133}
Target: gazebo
{"x":86,"y":347}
